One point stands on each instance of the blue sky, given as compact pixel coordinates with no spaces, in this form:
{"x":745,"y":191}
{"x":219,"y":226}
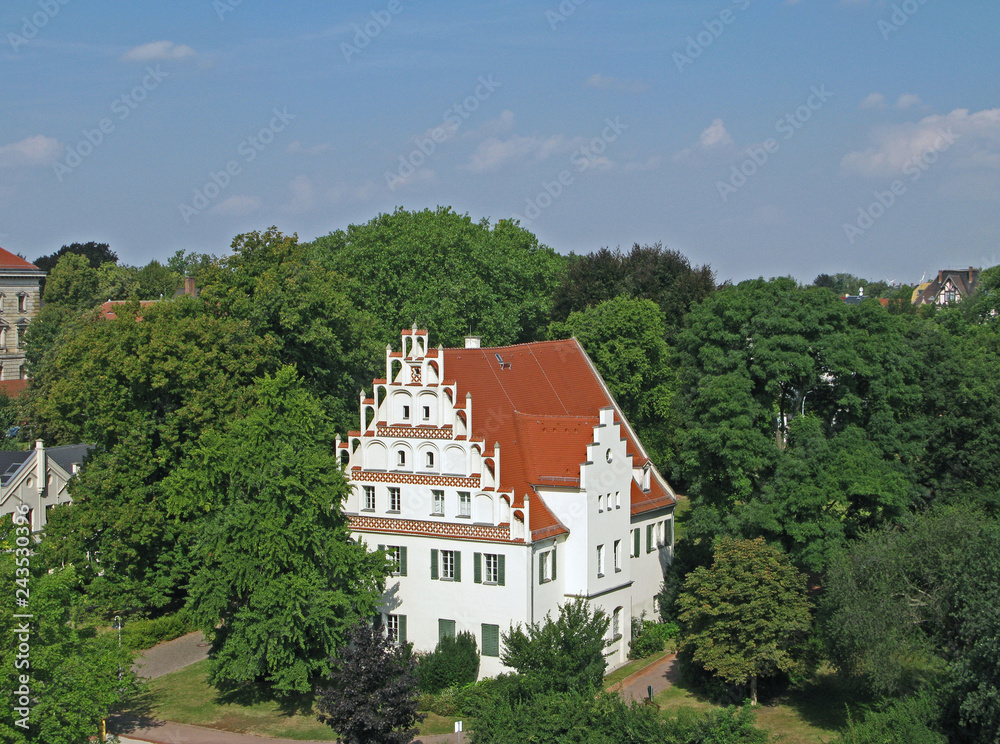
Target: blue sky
{"x":763,"y":138}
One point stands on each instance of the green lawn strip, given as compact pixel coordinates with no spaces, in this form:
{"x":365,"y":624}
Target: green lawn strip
{"x":812,"y":714}
{"x":631,"y":668}
{"x":185,"y":696}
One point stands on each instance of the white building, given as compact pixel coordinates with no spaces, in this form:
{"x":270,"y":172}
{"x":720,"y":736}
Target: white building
{"x":39,"y":478}
{"x":505,"y":482}
{"x":20,"y":301}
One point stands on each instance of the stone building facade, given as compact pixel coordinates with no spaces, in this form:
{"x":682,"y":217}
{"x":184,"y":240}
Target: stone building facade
{"x":20,"y":301}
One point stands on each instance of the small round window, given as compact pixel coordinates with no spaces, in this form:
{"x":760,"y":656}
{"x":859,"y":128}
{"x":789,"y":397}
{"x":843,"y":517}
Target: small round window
{"x":609,"y":456}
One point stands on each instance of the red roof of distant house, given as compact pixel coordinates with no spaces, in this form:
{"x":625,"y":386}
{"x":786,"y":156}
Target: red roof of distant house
{"x":13,"y":388}
{"x":108,"y":308}
{"x":540,"y":401}
{"x":9,"y":261}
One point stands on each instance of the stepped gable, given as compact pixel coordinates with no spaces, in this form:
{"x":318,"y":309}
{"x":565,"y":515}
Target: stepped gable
{"x":540,"y":402}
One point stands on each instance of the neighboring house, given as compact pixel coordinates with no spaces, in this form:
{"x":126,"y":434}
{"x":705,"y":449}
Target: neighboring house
{"x":39,"y":479}
{"x":951,"y":286}
{"x":20,"y":301}
{"x":504,"y":482}
{"x":108,"y":309}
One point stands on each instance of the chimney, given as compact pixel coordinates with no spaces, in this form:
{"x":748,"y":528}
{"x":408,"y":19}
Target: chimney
{"x":971,"y":270}
{"x":472,"y":342}
{"x":940,"y":276}
{"x":189,"y":289}
{"x":40,"y":465}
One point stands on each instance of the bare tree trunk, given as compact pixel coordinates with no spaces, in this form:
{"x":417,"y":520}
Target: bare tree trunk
{"x":753,"y":690}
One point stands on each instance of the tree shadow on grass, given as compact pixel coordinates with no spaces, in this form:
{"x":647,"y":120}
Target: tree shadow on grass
{"x":249,"y":694}
{"x":824,"y":701}
{"x":138,"y":713}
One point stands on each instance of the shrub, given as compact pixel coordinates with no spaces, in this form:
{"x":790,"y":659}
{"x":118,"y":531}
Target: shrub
{"x":455,"y":662}
{"x":649,"y":638}
{"x":142,"y":634}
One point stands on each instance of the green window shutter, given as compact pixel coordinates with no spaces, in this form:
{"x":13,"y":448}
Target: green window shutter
{"x":382,"y":548}
{"x":649,"y":538}
{"x":477,"y":567}
{"x":458,"y":566}
{"x":541,"y":568}
{"x":434,"y":563}
{"x":500,"y":569}
{"x":402,"y":629}
{"x":555,"y":562}
{"x":446,"y":629}
{"x":402,"y":560}
{"x":491,"y":640}
{"x":377,"y":620}
{"x":670,"y":532}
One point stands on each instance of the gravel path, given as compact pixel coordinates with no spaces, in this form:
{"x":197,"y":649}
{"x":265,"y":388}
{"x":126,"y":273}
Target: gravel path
{"x":173,"y":655}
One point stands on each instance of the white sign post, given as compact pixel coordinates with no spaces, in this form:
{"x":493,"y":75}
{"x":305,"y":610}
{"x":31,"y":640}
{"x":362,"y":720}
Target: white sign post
{"x":458,"y":730}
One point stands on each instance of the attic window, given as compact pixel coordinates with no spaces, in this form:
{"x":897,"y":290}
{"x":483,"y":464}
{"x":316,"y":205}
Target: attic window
{"x":401,"y":458}
{"x":503,"y":364}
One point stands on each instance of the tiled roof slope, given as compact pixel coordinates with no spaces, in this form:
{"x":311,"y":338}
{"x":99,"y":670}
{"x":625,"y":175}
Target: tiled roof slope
{"x":540,"y":401}
{"x":9,"y":261}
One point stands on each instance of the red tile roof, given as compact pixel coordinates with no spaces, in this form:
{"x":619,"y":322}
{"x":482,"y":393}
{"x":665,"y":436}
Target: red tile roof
{"x":540,"y":401}
{"x":9,"y":261}
{"x":13,"y":388}
{"x":108,"y":308}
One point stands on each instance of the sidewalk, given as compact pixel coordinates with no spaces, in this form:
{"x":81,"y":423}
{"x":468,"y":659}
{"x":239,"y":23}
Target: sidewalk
{"x":173,"y":655}
{"x":659,"y":675}
{"x":179,"y":733}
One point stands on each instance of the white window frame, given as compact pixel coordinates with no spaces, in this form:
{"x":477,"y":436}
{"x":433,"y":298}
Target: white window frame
{"x":395,"y":499}
{"x":392,"y":554}
{"x":437,"y":503}
{"x":465,"y":504}
{"x":448,"y":565}
{"x":369,"y":498}
{"x":406,"y":413}
{"x":491,"y":568}
{"x":430,"y":459}
{"x":392,"y":627}
{"x":426,"y":413}
{"x":618,"y":555}
{"x":600,"y":561}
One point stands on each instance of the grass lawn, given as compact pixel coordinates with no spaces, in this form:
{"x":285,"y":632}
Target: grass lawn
{"x":186,"y":696}
{"x":812,"y":714}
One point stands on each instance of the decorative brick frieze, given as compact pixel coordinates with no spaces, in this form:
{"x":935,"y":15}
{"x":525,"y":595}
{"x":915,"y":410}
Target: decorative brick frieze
{"x":448,"y":481}
{"x":410,"y":432}
{"x":455,"y":531}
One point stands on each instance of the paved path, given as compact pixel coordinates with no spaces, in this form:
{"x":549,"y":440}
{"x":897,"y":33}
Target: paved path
{"x":660,"y":675}
{"x":173,"y":655}
{"x":178,"y":733}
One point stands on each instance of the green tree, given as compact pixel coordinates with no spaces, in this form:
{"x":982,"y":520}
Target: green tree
{"x":95,"y":253}
{"x":73,"y":284}
{"x":560,"y":655}
{"x":304,"y":309}
{"x":279,"y":581}
{"x":454,"y":662}
{"x":74,"y":678}
{"x":372,"y":697}
{"x":747,"y":615}
{"x":447,"y":273}
{"x":624,"y":337}
{"x":154,"y":281}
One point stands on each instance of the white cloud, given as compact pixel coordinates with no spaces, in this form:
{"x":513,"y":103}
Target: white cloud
{"x":977,"y":138}
{"x":714,"y":139}
{"x":907,"y":100}
{"x":873,"y":101}
{"x":36,"y":150}
{"x":237,"y":206}
{"x":297,"y":147}
{"x":494,"y":153}
{"x":501,"y":125}
{"x":156,"y":51}
{"x":606,"y":82}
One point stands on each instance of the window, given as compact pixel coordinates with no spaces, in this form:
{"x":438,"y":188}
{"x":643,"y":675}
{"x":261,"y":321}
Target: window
{"x":426,"y":412}
{"x":370,"y":498}
{"x":616,"y":624}
{"x":547,"y":566}
{"x":446,"y":565}
{"x":406,"y":413}
{"x":618,"y":499}
{"x":395,"y":626}
{"x":600,"y":561}
{"x":464,"y":504}
{"x":430,"y":459}
{"x":491,"y":640}
{"x":394,"y":499}
{"x":22,"y":301}
{"x":489,"y":568}
{"x":438,"y":505}
{"x":22,"y":327}
{"x":668,"y":539}
{"x":401,"y":458}
{"x":649,"y":538}
{"x":618,"y":556}
{"x":446,"y":629}
{"x":396,"y":556}
{"x":635,"y":543}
